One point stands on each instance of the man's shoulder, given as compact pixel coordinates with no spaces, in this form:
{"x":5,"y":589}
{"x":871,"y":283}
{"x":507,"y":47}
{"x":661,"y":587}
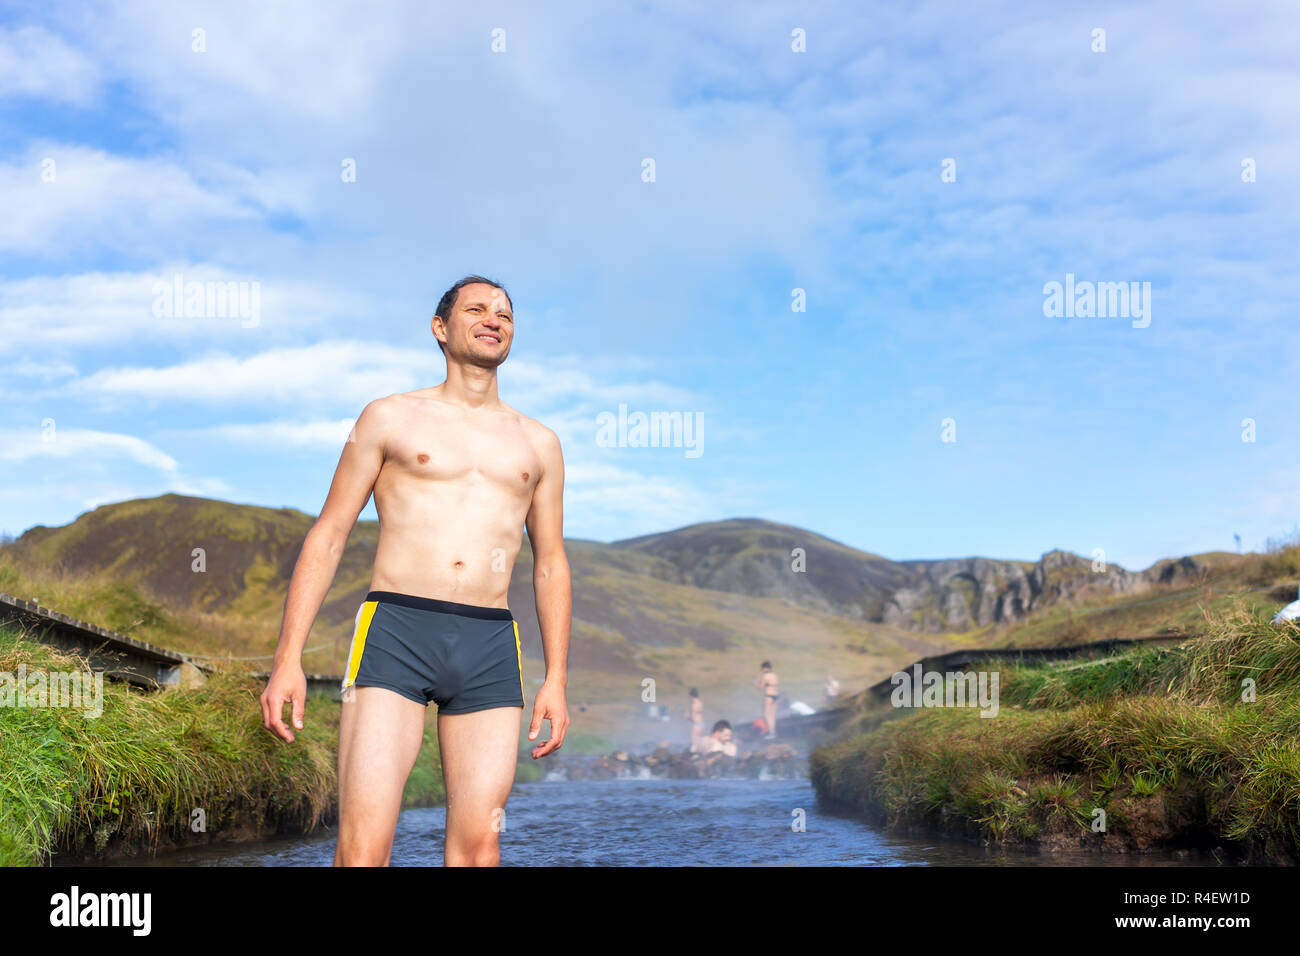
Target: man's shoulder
{"x":395,"y":403}
{"x":376,"y":417}
{"x":535,"y":429}
{"x":383,"y":416}
{"x":407,"y":398}
{"x":385,"y":403}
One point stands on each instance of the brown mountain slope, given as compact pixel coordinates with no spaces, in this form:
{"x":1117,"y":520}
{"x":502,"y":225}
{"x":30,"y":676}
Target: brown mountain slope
{"x":750,"y":556}
{"x":209,"y":577}
{"x":698,"y":605}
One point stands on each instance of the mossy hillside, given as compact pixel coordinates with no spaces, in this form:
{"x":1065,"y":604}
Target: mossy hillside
{"x":1162,"y":741}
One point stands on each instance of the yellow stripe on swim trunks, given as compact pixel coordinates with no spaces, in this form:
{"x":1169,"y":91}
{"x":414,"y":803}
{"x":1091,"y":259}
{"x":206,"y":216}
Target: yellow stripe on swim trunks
{"x":364,"y":615}
{"x":519,"y":655}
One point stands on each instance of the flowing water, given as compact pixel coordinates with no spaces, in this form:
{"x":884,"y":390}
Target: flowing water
{"x":658,"y":822}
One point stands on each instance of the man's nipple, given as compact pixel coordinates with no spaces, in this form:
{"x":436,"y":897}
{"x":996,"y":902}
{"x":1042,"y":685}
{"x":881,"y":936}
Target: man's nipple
{"x":422,"y":458}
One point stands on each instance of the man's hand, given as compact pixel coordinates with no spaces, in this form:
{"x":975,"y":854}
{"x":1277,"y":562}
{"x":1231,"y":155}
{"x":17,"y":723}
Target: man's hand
{"x":288,"y":684}
{"x":549,"y":705}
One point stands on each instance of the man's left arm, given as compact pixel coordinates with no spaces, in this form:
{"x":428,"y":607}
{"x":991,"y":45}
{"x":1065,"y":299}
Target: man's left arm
{"x":545,"y":524}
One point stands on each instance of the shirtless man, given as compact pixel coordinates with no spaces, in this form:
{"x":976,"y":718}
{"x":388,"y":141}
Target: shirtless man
{"x":766,"y":682}
{"x":718,"y":741}
{"x":456,"y":474}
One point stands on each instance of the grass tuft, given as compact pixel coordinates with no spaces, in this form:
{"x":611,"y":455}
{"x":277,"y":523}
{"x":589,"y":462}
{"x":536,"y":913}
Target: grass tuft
{"x":1195,"y":745}
{"x":135,"y":774}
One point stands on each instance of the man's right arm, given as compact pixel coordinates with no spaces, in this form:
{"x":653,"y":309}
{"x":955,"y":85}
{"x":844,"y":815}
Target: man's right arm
{"x":354,"y":479}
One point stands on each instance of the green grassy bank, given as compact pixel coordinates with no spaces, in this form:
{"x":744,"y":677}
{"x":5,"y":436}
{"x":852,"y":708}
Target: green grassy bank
{"x":1162,"y":741}
{"x":133,"y":775}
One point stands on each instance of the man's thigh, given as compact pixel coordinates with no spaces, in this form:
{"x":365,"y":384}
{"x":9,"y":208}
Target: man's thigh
{"x":479,"y":753}
{"x":379,"y":738}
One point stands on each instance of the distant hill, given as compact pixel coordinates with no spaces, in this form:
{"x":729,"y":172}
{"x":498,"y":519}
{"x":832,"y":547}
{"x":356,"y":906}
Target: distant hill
{"x":754,"y":557}
{"x":699,"y":605}
{"x":130,"y":566}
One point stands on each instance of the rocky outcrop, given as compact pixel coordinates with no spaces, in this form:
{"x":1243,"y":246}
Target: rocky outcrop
{"x":1175,"y":572}
{"x":965,"y":593}
{"x":760,"y":558}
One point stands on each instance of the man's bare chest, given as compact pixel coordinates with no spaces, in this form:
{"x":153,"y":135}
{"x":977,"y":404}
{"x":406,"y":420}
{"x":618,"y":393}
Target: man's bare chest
{"x":461,"y":454}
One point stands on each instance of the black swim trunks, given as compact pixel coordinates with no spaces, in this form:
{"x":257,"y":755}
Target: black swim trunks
{"x":462,"y":657}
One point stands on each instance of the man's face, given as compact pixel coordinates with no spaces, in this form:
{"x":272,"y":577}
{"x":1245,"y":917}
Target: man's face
{"x":481,"y":326}
{"x":723,"y":735}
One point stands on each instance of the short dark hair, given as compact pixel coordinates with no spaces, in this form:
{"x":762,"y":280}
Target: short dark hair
{"x":720,"y":725}
{"x":448,"y":300}
{"x":766,"y":665}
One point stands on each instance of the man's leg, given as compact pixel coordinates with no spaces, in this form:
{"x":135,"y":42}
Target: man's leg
{"x":479,"y":752}
{"x":379,"y":738}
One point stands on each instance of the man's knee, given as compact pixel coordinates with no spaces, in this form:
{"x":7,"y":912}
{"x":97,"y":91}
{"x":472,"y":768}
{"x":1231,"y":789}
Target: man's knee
{"x":361,"y":853}
{"x":483,"y":856}
{"x":480,"y":850}
{"x":487,"y":855}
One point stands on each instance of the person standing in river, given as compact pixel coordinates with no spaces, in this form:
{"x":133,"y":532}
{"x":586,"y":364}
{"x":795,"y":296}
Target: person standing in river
{"x":695,"y":714}
{"x":767,"y":683}
{"x":457,"y":475}
{"x":832,"y":688}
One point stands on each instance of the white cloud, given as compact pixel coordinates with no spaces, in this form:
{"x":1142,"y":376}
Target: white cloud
{"x":605,"y":500}
{"x":98,"y":200}
{"x":282,"y":434}
{"x":561,"y":385}
{"x":328,"y":373}
{"x":35,"y":62}
{"x":282,"y":101}
{"x":47,"y":370}
{"x":261,"y":59}
{"x":117,"y":308}
{"x":81,"y":444}
{"x":352,"y":372}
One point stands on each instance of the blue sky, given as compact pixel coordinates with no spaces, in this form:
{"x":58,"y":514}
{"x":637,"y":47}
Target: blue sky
{"x":775,"y":170}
